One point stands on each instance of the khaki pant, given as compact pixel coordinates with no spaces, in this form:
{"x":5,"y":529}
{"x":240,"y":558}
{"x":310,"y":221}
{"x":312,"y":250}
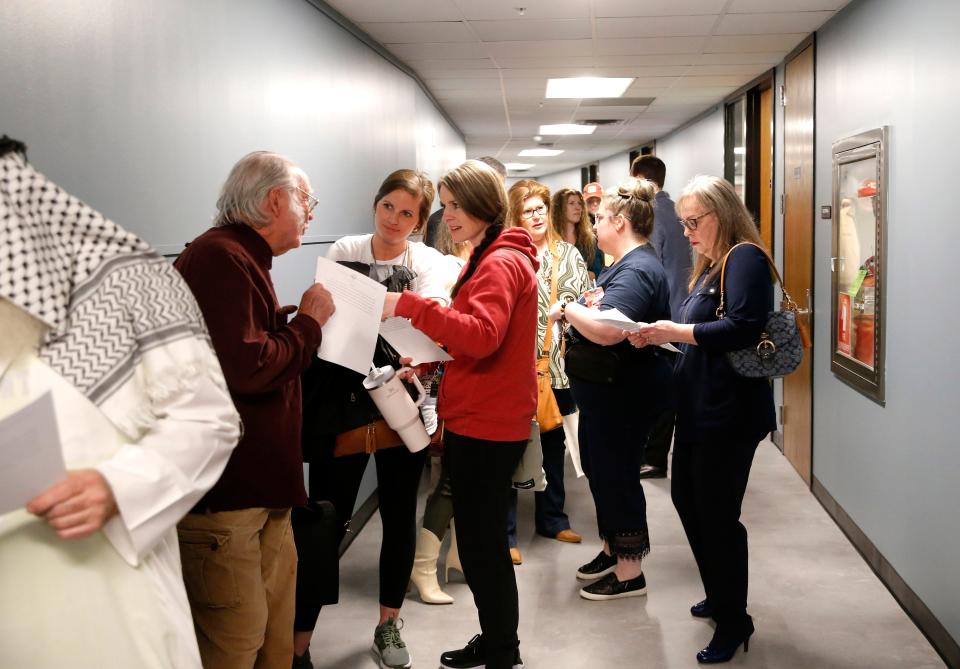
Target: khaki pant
{"x":240,"y":569}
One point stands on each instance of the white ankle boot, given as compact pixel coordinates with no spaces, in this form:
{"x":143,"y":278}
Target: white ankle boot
{"x":453,"y":555}
{"x":424,"y":574}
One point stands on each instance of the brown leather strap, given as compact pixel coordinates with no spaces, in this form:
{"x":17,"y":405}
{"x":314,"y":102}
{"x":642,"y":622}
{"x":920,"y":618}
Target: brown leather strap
{"x":787,"y":303}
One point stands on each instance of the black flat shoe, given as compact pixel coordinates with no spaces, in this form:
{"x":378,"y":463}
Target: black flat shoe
{"x":611,"y":587}
{"x":652,"y":472}
{"x":702,"y":610}
{"x":599,"y":566}
{"x":722,"y":648}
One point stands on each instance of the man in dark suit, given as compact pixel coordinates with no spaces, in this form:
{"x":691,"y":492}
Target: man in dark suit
{"x":673,"y":249}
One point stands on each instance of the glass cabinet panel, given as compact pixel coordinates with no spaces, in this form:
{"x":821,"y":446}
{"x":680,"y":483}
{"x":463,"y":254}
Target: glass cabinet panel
{"x":858,"y":224}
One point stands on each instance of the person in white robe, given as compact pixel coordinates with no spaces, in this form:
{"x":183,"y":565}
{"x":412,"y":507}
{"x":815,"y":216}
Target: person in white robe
{"x":90,"y":568}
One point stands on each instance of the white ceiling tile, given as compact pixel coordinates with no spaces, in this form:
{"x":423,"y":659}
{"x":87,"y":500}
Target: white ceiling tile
{"x":534,"y":9}
{"x":735,"y":80}
{"x":417,"y":33}
{"x":438,"y":51}
{"x":655,"y":26}
{"x":748,"y":69}
{"x":525,"y":29}
{"x":431,"y":74}
{"x":767,"y":24}
{"x":463,"y":83}
{"x":362,"y":11}
{"x":748,"y":43}
{"x":539,"y":49}
{"x":600,"y":113}
{"x":651,"y":45}
{"x":542,"y":62}
{"x":759,"y":58}
{"x":648,"y":59}
{"x":767,"y":6}
{"x":656,"y":7}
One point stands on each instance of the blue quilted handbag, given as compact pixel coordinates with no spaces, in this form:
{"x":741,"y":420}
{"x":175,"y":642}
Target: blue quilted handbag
{"x":780,"y":349}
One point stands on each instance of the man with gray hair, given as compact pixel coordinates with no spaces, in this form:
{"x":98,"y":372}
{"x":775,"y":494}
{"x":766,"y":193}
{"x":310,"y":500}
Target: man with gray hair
{"x":239,"y":560}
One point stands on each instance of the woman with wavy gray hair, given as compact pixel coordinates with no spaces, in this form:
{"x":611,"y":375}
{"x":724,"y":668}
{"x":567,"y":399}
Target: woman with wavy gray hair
{"x":619,"y":390}
{"x":721,"y":416}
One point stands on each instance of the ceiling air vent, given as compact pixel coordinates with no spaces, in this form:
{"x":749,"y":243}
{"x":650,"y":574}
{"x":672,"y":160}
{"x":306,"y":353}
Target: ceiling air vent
{"x":546,"y":144}
{"x":601,"y":121}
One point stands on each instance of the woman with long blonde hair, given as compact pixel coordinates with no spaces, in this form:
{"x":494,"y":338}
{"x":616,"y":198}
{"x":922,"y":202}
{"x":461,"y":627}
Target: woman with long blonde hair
{"x":571,"y":223}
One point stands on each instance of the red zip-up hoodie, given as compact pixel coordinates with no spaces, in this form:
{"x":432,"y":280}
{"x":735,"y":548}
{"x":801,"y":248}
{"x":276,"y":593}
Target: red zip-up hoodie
{"x":489,"y":390}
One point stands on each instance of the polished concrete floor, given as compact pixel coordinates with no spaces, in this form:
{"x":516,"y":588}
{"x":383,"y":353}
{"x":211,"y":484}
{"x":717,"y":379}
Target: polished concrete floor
{"x":814,"y":601}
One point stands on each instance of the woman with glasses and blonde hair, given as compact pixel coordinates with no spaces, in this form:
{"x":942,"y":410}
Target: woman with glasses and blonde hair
{"x":339,"y":416}
{"x":488,"y":395}
{"x":570,"y":222}
{"x":561,"y":265}
{"x":721,"y":416}
{"x":620,"y":390}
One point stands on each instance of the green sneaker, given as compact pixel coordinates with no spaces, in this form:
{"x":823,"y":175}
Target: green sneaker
{"x":389,"y":647}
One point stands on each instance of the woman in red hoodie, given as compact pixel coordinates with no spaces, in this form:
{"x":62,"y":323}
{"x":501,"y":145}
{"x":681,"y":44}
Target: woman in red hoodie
{"x":488,"y":396}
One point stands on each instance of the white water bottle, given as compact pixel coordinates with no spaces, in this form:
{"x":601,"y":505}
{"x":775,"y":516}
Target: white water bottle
{"x":397,"y":408}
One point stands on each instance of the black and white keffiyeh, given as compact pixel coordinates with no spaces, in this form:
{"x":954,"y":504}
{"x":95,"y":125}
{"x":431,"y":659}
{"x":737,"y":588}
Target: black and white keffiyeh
{"x":123,"y":326}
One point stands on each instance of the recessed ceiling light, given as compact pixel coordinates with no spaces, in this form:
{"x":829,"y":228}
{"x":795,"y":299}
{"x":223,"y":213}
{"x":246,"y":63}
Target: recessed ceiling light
{"x":588,"y":87}
{"x":567,"y":129}
{"x":537,"y":138}
{"x":531,"y":153}
{"x":519,"y":167}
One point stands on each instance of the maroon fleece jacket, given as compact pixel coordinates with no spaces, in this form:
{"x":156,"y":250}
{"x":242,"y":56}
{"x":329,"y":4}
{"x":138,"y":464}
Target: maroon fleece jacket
{"x":262,"y":356}
{"x":489,"y":390}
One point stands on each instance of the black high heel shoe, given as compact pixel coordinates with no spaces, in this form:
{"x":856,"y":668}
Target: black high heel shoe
{"x":702,"y":610}
{"x":722,"y":649}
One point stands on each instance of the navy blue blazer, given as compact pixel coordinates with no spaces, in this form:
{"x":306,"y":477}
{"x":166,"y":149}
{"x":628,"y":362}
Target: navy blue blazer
{"x":673,"y":249}
{"x":714,"y":403}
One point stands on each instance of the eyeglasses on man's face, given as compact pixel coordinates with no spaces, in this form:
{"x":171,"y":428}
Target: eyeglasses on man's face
{"x":692,"y":222}
{"x":311,"y":202}
{"x":527,"y":214}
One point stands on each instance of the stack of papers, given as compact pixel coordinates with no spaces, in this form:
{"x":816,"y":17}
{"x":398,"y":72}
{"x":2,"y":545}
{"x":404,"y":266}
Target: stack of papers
{"x":615,"y":318}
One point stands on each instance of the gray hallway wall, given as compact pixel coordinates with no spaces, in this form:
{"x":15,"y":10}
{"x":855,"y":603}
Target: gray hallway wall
{"x":141,"y":108}
{"x":894,"y":469}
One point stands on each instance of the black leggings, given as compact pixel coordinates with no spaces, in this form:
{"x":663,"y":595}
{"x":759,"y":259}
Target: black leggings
{"x":398,"y":478}
{"x":480,"y":473}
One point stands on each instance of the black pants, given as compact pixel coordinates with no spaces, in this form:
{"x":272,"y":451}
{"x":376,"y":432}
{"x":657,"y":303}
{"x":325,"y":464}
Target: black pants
{"x":709,"y":482}
{"x":614,"y":425}
{"x":480,"y":473}
{"x":398,"y":478}
{"x":658,"y":443}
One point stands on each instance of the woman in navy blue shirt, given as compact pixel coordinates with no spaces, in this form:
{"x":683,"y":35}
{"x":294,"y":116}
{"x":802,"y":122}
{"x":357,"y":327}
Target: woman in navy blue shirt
{"x":721,"y":416}
{"x":619,"y":389}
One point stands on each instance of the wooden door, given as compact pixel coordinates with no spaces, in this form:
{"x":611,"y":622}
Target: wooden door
{"x":798,"y":249}
{"x":766,"y":167}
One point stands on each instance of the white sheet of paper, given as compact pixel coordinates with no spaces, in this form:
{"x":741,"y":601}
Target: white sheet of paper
{"x":31,"y":456}
{"x":411,"y":342}
{"x":618,"y":319}
{"x":350,"y":336}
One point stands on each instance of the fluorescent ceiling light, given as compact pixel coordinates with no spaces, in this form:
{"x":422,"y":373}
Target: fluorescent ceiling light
{"x":519,"y":166}
{"x":567,"y":129}
{"x":588,"y":87}
{"x":531,"y":153}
